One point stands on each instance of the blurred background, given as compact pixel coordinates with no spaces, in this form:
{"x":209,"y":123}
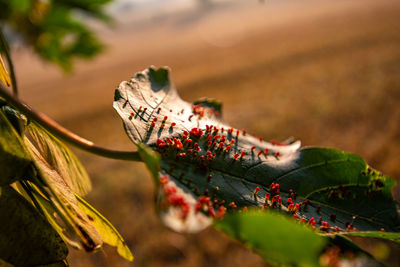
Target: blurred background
{"x":325,"y":72}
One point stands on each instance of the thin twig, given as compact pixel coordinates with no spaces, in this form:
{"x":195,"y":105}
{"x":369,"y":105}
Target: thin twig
{"x":64,"y":133}
{"x":6,"y":48}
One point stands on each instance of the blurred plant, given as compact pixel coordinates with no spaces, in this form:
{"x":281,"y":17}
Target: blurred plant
{"x":51,"y":27}
{"x":292,"y":205}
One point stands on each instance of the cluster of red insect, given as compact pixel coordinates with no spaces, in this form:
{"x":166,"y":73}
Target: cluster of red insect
{"x":189,"y":145}
{"x":206,"y":205}
{"x":293,"y":208}
{"x":200,"y":110}
{"x":213,"y":140}
{"x":174,"y":198}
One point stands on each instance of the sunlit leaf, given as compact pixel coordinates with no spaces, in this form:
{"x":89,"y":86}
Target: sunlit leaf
{"x":276,"y":238}
{"x":66,"y":202}
{"x":61,"y":159}
{"x":4,"y":74}
{"x":49,"y":210}
{"x":106,"y":230}
{"x":26,"y":238}
{"x":223,"y":168}
{"x":13,"y":157}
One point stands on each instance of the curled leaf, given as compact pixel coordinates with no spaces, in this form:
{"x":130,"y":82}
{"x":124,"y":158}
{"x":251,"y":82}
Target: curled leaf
{"x":65,"y":201}
{"x":226,"y":169}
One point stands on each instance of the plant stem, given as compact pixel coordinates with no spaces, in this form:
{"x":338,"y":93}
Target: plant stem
{"x":4,"y":44}
{"x":64,"y":133}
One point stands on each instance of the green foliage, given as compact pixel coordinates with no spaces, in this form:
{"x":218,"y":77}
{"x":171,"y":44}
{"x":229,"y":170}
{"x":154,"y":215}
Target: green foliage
{"x":285,"y":241}
{"x":52,"y":178}
{"x":52,"y":29}
{"x":26,"y":238}
{"x":208,"y":168}
{"x":14,"y":160}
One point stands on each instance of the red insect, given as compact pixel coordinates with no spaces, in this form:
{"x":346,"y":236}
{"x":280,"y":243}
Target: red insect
{"x":256,"y":190}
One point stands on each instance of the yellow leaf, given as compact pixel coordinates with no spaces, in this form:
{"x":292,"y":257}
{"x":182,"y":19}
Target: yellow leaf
{"x":4,"y":74}
{"x":107,"y":231}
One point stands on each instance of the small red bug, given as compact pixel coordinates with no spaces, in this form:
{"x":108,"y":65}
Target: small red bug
{"x":256,"y":190}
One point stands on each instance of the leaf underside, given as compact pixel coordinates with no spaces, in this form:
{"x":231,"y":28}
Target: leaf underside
{"x":58,"y":155}
{"x":208,"y":168}
{"x":65,"y":201}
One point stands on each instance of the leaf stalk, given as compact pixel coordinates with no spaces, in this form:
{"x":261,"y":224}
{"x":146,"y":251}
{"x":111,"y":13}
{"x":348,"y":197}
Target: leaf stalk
{"x":63,"y":133}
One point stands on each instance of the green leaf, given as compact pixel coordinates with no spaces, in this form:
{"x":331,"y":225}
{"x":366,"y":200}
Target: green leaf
{"x":106,"y":230}
{"x":60,"y":158}
{"x":49,"y":210}
{"x":65,"y":201}
{"x":154,"y":115}
{"x":208,"y":167}
{"x":26,"y":238}
{"x":276,"y":238}
{"x":13,"y":157}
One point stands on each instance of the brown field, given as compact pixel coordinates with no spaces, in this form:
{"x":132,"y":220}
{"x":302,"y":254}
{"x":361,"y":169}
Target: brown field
{"x":325,"y":72}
